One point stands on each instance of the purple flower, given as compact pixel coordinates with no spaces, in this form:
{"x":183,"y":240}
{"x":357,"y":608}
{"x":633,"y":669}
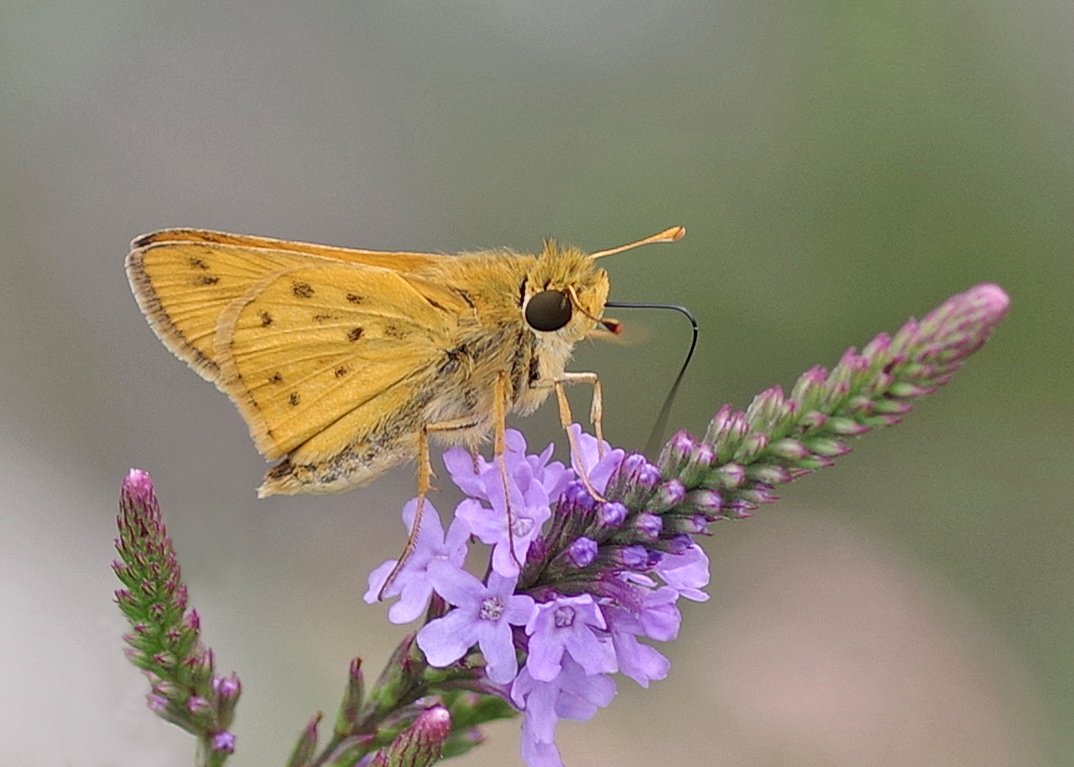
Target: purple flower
{"x":658,"y":618}
{"x":566,"y":625}
{"x":572,"y":694}
{"x":598,"y":460}
{"x":471,"y":474}
{"x":573,"y":642}
{"x":638,"y":661}
{"x":532,"y":485}
{"x":483,"y":615}
{"x":412,"y":585}
{"x":687,"y":573}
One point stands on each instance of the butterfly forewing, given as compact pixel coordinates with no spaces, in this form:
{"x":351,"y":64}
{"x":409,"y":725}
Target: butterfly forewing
{"x":184,"y":279}
{"x":184,"y":289}
{"x":402,"y":260}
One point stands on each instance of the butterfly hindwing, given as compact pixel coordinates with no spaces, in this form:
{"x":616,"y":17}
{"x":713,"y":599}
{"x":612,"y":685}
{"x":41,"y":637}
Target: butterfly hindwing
{"x":328,"y":355}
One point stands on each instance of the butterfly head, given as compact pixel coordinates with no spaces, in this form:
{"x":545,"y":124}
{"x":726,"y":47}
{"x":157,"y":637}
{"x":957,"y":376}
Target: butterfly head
{"x":564,"y":294}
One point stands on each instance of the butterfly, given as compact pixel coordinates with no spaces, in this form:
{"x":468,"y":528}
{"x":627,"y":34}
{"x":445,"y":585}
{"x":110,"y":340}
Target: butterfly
{"x":343,"y":362}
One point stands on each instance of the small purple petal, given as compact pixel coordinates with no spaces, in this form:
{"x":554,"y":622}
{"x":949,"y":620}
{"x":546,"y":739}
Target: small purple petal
{"x":411,"y":583}
{"x":687,"y":573}
{"x":634,"y":557}
{"x":446,"y":639}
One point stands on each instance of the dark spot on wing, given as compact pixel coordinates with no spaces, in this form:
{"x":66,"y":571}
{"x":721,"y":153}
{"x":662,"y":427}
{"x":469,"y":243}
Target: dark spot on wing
{"x":393,"y":331}
{"x":354,"y":298}
{"x":322,"y":317}
{"x":266,"y":319}
{"x":208,"y":279}
{"x":293,"y":398}
{"x":355,"y":333}
{"x":197,"y":263}
{"x":302,"y":289}
{"x":276,"y":378}
{"x":341,"y":371}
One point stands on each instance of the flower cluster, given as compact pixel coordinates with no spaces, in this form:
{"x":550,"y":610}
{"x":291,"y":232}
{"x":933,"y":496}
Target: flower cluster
{"x":589,"y":560}
{"x":576,"y":579}
{"x":165,"y":638}
{"x":587,"y":563}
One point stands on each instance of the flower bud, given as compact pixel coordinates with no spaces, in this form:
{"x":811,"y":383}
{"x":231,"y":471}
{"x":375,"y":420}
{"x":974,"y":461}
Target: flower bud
{"x":582,"y":552}
{"x":648,"y":525}
{"x":611,"y":514}
{"x":223,"y":741}
{"x":421,"y":744}
{"x":669,"y":495}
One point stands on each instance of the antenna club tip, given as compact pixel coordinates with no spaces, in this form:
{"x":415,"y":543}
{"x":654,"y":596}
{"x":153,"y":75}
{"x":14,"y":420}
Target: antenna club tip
{"x":676,"y":233}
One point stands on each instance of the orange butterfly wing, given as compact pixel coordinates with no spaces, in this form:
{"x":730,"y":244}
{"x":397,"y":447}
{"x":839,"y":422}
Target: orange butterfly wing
{"x":320,"y":347}
{"x":184,"y":279}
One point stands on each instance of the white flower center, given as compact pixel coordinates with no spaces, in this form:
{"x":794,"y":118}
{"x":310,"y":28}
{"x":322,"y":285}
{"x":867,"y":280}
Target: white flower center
{"x":564,"y":617}
{"x":521,"y":526}
{"x":491,"y":609}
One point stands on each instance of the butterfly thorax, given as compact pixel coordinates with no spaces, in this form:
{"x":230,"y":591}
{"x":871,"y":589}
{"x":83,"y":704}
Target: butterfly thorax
{"x":494,"y":336}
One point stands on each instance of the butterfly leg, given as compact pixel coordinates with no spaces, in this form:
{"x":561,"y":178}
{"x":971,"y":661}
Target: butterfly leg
{"x":425,"y":476}
{"x":596,"y":414}
{"x":499,"y":416}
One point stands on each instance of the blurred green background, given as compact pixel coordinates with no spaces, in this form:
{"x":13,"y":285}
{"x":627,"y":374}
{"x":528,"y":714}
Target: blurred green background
{"x":840,"y":166}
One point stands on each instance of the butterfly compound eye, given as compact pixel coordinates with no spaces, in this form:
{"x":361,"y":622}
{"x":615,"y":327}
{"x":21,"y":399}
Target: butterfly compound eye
{"x":548,"y":310}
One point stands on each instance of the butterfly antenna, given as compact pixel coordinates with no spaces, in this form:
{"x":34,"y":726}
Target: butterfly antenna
{"x":653,"y":443}
{"x":668,"y":235}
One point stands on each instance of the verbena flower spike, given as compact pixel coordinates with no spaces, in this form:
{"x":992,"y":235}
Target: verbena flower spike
{"x":164,"y":640}
{"x":578,"y":588}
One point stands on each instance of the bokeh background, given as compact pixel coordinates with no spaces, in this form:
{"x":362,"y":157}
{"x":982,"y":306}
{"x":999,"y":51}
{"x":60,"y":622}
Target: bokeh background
{"x":840,"y":167}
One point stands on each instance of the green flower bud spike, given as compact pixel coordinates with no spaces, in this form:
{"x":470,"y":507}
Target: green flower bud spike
{"x":780,"y":438}
{"x":165,"y":638}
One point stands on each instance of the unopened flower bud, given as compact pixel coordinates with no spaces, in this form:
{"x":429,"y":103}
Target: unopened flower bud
{"x":421,"y":744}
{"x":611,"y":514}
{"x":223,"y":741}
{"x":582,"y":552}
{"x":669,"y":495}
{"x":648,"y":525}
